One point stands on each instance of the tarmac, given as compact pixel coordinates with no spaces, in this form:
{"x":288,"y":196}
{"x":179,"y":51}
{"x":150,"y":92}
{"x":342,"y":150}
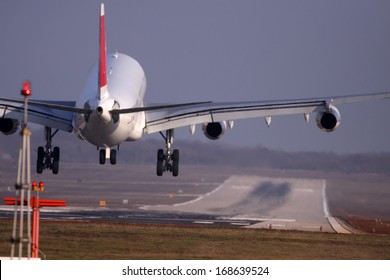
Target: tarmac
{"x":273,"y":203}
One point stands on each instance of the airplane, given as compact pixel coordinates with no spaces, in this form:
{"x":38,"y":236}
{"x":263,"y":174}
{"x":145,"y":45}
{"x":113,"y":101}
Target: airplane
{"x":111,"y":110}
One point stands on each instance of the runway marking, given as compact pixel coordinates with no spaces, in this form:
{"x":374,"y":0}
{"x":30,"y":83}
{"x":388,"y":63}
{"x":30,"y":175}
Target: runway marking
{"x":188,"y":202}
{"x":336,"y":226}
{"x":278,"y":225}
{"x":203,"y":222}
{"x":324,"y":199}
{"x":283,"y":220}
{"x":240,"y":224}
{"x":246,"y":219}
{"x":200,"y":197}
{"x":260,"y":219}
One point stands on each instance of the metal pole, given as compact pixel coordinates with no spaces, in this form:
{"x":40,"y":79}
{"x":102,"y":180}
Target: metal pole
{"x":35,"y":227}
{"x":23,"y":185}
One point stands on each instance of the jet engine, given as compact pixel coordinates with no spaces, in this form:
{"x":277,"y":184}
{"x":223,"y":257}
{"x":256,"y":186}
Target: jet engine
{"x":214,"y":130}
{"x":328,"y":120}
{"x":8,"y":126}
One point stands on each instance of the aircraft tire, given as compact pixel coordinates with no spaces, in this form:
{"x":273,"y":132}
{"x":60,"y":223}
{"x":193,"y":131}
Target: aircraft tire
{"x":56,"y":160}
{"x":102,"y":156}
{"x":113,"y":157}
{"x":40,"y":159}
{"x":160,"y":162}
{"x":175,"y":167}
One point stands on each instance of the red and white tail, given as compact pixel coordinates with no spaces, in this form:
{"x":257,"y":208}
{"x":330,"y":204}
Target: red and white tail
{"x":102,"y":57}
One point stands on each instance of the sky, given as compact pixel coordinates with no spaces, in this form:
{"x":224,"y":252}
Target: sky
{"x":217,"y":50}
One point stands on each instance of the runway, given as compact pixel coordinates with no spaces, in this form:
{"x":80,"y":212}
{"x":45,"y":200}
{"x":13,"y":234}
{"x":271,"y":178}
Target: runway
{"x":130,"y":216}
{"x":291,"y":204}
{"x":234,"y":201}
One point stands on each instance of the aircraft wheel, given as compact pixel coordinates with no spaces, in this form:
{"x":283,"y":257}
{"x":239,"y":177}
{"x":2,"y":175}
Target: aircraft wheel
{"x":175,"y":167}
{"x":40,"y":159}
{"x":113,"y":157}
{"x":102,"y":156}
{"x":160,"y":162}
{"x":56,"y":160}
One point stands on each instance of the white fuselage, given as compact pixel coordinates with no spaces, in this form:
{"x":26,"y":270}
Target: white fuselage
{"x":126,"y":85}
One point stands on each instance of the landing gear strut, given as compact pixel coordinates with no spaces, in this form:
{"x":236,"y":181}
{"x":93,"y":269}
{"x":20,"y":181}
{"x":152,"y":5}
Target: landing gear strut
{"x":48,"y":158}
{"x":107,"y":153}
{"x":168,"y":160}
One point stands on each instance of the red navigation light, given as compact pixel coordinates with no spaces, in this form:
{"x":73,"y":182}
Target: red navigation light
{"x":26,"y":90}
{"x":34,"y":186}
{"x":41,"y":186}
{"x":37,"y":187}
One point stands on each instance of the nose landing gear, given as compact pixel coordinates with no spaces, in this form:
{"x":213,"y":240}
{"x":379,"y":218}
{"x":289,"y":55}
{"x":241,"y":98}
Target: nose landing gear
{"x":107,"y":153}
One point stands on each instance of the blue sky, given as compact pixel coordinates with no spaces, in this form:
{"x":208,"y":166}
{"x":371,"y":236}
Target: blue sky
{"x":220,"y":51}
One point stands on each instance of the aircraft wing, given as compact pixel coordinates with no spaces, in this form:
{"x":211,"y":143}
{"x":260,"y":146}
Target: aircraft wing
{"x":164,"y":119}
{"x":59,"y":114}
{"x":47,"y":113}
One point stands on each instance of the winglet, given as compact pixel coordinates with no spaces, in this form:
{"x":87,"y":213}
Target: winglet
{"x":102,"y":57}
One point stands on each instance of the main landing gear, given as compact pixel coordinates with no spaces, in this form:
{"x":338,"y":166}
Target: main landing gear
{"x":48,"y":158}
{"x":168,"y":160}
{"x":107,"y":153}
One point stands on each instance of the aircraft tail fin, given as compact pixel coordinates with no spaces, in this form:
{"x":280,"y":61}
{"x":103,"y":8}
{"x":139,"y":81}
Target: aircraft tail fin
{"x":102,"y":56}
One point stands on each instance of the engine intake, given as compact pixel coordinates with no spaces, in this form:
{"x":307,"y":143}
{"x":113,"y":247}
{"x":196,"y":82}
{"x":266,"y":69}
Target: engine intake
{"x":8,"y":126}
{"x":329,"y":120}
{"x":214,"y":130}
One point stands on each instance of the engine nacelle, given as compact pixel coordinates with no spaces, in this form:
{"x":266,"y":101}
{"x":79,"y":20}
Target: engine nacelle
{"x":9,"y":126}
{"x":214,"y":130}
{"x":328,"y":120}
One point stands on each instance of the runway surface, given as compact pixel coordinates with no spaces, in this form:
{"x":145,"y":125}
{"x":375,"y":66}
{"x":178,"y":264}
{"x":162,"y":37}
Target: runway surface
{"x":238,"y":201}
{"x":292,"y":204}
{"x":130,"y":216}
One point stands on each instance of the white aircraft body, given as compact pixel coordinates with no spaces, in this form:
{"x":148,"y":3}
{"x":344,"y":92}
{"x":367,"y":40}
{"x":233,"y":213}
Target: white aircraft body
{"x":111,"y":110}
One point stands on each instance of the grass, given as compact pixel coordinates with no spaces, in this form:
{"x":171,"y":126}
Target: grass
{"x":74,"y":240}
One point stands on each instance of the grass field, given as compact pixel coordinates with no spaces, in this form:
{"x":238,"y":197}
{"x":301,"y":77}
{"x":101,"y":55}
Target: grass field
{"x":73,"y":240}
